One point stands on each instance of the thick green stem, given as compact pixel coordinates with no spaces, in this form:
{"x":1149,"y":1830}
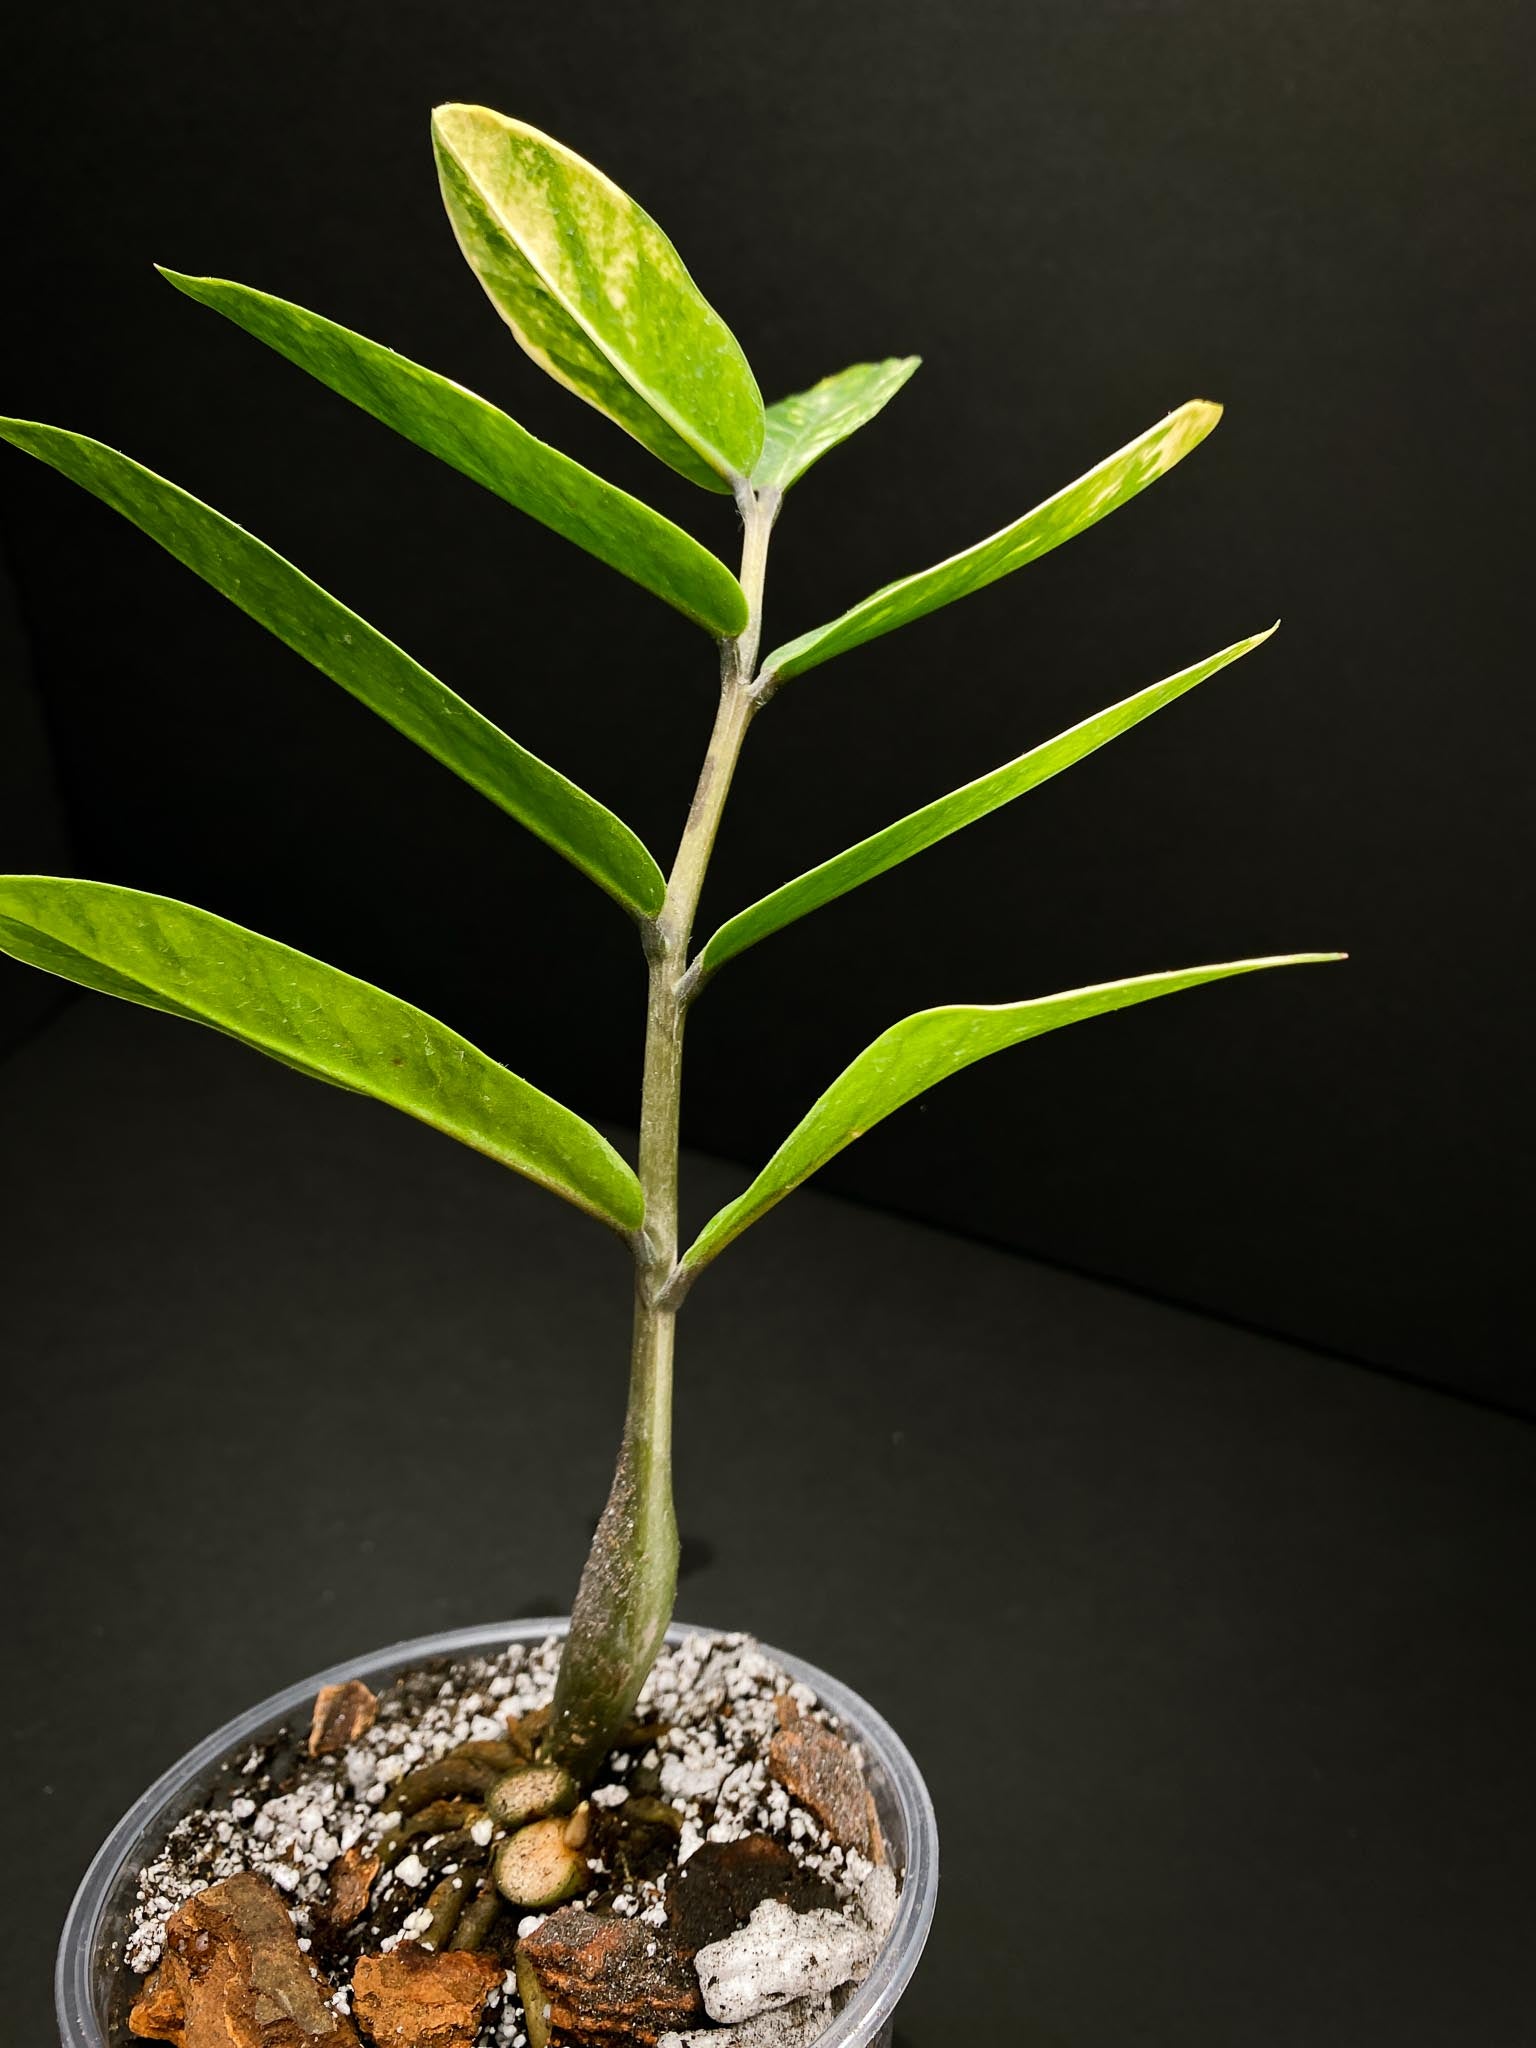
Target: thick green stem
{"x":629,"y":1583}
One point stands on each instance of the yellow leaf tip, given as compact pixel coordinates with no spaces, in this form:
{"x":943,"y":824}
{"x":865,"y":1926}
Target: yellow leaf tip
{"x":1183,"y":429}
{"x":460,"y":113}
{"x":449,"y":114}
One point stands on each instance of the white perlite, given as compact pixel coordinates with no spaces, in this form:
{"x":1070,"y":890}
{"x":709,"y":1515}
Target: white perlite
{"x":791,"y":2026}
{"x":292,"y":1838}
{"x":716,"y":1695}
{"x":877,"y":1895}
{"x":778,"y":1957}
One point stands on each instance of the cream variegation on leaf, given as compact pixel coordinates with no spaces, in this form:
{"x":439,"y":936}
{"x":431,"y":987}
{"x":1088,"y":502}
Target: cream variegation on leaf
{"x":597,"y":295}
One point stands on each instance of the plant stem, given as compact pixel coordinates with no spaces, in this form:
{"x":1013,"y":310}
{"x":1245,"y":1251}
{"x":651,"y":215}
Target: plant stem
{"x":629,"y":1583}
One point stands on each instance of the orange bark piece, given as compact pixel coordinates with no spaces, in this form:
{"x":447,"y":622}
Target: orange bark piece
{"x":818,"y":1771}
{"x":412,"y":1998}
{"x":159,"y":2014}
{"x":342,"y":1713}
{"x":352,"y":1876}
{"x":234,"y":1976}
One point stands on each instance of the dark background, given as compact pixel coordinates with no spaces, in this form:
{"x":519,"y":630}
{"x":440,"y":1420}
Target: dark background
{"x":1080,"y":215}
{"x":1215,"y":1650}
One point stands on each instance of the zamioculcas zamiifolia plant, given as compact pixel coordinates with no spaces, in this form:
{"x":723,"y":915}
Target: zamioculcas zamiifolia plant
{"x":595,"y":293}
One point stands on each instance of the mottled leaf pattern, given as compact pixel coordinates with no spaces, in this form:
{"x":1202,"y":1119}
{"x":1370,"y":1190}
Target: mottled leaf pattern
{"x":798,"y":431}
{"x":349,"y":651}
{"x":917,"y":1054}
{"x":485,"y":444}
{"x":169,"y":956}
{"x":936,"y":821}
{"x":597,"y":295}
{"x":1072,"y":511}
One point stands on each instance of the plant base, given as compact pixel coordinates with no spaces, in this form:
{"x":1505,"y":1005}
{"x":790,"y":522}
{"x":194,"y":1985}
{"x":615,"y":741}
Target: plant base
{"x":95,"y":1988}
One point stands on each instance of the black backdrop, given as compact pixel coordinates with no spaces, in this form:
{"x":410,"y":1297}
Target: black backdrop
{"x":1081,"y":212}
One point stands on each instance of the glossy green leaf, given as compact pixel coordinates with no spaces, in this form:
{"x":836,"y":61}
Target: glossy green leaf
{"x":190,"y":964}
{"x":597,"y":295}
{"x":921,"y":1051}
{"x":495,"y":451}
{"x":1072,"y":511}
{"x":352,"y":653}
{"x":936,"y":821}
{"x":798,"y":431}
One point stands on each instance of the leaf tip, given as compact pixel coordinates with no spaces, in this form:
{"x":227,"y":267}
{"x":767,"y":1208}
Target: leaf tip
{"x":1185,"y":428}
{"x":444,"y":125}
{"x":203,"y":291}
{"x":453,"y":121}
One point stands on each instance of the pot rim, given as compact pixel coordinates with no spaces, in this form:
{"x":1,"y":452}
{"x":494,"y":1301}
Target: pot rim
{"x":856,"y":2026}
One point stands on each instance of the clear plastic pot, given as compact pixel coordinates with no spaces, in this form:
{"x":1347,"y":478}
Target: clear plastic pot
{"x":93,"y":1989}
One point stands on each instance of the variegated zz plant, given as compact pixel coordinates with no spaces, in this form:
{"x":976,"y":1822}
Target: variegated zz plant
{"x":595,"y":293}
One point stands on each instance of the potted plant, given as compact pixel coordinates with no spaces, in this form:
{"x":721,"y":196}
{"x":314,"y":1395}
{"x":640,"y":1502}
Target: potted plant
{"x":549,"y":1805}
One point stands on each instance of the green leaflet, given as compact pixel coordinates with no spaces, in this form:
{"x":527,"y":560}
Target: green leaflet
{"x":921,"y":1051}
{"x":350,"y":652}
{"x":1072,"y":511}
{"x":798,"y":431}
{"x":495,"y":451}
{"x":169,"y":956}
{"x":936,"y":821}
{"x":597,"y":295}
